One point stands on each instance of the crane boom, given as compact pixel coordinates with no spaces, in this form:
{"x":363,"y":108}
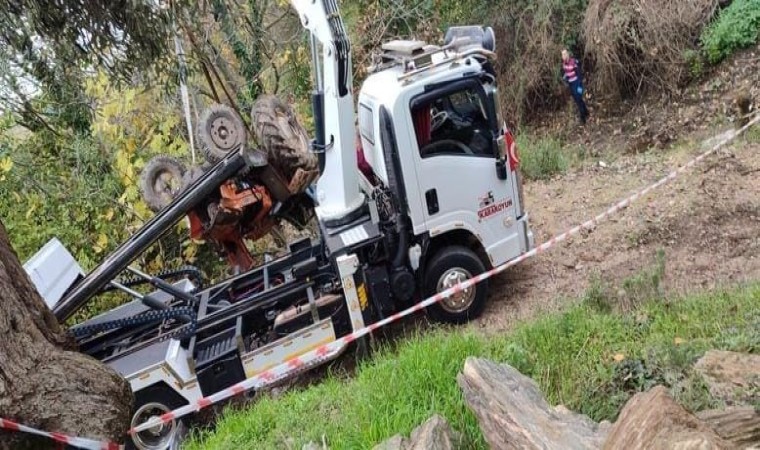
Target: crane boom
{"x":338,"y":192}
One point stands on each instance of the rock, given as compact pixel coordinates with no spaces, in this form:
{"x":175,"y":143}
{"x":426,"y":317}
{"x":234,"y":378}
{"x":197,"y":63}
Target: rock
{"x":732,"y":377}
{"x":739,"y":425}
{"x":513,"y":413}
{"x":396,"y":442}
{"x":653,"y":420}
{"x":434,"y":434}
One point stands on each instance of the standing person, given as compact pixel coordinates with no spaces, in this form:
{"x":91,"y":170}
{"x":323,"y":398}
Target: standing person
{"x":573,"y":77}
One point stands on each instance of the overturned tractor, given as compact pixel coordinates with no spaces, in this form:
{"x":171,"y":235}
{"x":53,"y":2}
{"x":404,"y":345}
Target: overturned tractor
{"x":246,"y":206}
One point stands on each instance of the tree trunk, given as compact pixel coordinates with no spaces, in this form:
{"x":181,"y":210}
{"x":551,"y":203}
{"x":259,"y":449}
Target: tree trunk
{"x":44,"y":382}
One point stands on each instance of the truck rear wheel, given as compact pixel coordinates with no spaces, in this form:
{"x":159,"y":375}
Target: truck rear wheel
{"x":278,"y":132}
{"x":452,"y":265}
{"x":155,"y":401}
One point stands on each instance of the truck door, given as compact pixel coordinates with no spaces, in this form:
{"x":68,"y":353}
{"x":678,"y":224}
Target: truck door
{"x":457,"y":153}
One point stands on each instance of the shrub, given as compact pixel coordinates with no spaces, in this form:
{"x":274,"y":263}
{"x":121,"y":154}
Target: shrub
{"x":736,"y":27}
{"x":541,"y":157}
{"x":529,"y":37}
{"x":643,"y":44}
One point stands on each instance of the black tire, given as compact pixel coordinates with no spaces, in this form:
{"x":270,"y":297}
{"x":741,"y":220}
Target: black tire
{"x":278,"y":132}
{"x":220,"y":131}
{"x":155,"y":399}
{"x":161,"y":181}
{"x":451,"y":263}
{"x":190,"y":176}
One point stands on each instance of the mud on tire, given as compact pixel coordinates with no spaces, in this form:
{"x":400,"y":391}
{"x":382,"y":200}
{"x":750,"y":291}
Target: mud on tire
{"x":161,"y":180}
{"x":278,"y":132}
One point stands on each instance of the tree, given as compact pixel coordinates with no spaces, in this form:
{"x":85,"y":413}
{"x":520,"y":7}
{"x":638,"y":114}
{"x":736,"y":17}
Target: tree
{"x":44,"y":382}
{"x":48,"y":48}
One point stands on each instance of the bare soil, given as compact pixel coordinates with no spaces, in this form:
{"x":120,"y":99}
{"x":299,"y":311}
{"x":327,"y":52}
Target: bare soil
{"x":707,"y":221}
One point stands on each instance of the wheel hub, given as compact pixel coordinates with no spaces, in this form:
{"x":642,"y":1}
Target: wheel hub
{"x":223,"y":133}
{"x":155,"y":438}
{"x":460,"y":301}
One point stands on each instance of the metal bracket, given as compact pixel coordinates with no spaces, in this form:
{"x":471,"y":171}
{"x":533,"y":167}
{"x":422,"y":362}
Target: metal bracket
{"x":347,"y":265}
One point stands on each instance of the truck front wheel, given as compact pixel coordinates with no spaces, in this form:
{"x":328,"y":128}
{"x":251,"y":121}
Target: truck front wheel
{"x":448,"y":267}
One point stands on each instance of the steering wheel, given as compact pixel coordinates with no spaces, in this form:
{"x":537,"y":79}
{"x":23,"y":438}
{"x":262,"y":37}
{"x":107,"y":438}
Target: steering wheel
{"x":438,"y":118}
{"x":445,"y":146}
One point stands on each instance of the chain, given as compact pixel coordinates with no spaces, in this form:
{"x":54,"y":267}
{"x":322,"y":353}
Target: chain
{"x":147,"y":317}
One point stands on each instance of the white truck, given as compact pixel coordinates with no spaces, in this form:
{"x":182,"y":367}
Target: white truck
{"x":442,"y":203}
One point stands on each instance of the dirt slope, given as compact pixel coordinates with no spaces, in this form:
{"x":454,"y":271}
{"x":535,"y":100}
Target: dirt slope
{"x":707,"y":222}
{"x":642,"y":123}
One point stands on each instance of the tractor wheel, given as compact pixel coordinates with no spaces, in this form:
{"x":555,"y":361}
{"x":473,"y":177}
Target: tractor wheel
{"x":220,"y":131}
{"x":161,"y":180}
{"x":191,"y":175}
{"x":278,"y":132}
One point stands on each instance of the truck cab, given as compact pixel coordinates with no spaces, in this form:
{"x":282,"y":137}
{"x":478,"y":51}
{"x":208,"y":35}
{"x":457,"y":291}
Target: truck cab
{"x":456,"y":161}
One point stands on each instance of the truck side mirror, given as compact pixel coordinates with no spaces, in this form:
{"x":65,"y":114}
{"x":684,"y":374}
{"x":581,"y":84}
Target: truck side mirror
{"x":501,"y":169}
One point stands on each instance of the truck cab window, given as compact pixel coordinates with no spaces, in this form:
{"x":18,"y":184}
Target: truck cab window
{"x":453,"y":124}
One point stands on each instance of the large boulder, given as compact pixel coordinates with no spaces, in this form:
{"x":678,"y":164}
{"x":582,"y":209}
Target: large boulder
{"x":434,"y":434}
{"x":739,"y":425}
{"x":653,"y":420}
{"x":513,"y":413}
{"x":731,"y":377}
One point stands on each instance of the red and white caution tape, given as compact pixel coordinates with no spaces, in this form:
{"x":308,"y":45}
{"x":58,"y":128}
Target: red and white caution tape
{"x":328,"y":351}
{"x":89,"y":444}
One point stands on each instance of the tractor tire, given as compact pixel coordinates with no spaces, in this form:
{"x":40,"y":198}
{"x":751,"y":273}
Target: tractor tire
{"x":220,"y":131}
{"x":160,"y":181}
{"x":191,"y":175}
{"x":281,"y":136}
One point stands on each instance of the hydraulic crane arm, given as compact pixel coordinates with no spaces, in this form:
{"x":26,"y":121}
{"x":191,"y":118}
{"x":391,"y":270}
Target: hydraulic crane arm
{"x":338,"y":186}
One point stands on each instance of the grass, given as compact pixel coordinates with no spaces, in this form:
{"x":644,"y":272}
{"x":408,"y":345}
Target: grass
{"x":589,"y":360}
{"x":633,"y":292}
{"x":752,"y":135}
{"x":541,"y":157}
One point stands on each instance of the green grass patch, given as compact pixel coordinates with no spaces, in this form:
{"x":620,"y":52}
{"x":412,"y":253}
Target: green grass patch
{"x":635,"y":290}
{"x":542,"y":157}
{"x":589,"y":360}
{"x":736,"y":27}
{"x":753,"y":134}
